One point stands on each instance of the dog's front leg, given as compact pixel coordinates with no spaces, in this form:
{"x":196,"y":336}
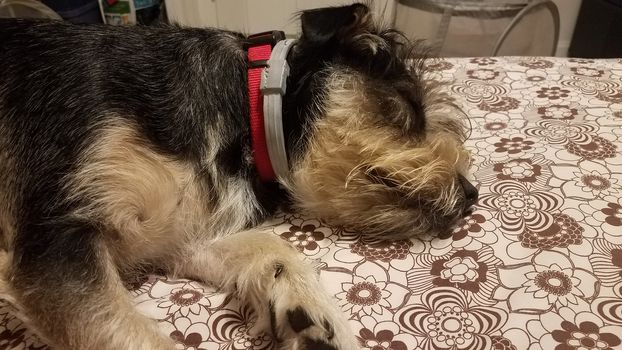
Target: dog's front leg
{"x":283,"y":289}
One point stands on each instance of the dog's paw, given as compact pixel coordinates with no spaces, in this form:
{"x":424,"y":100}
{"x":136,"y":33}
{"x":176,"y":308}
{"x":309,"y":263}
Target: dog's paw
{"x":326,"y":329}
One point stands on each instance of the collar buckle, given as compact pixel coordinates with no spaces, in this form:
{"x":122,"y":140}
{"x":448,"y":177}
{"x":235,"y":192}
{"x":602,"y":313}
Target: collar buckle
{"x":270,"y":37}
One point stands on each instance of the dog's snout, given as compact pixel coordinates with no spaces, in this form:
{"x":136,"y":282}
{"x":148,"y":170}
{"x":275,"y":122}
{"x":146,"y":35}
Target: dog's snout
{"x":470,"y":192}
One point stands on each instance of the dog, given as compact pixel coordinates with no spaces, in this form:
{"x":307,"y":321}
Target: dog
{"x":124,"y":147}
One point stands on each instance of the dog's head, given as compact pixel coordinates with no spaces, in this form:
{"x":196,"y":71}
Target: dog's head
{"x":381,"y":151}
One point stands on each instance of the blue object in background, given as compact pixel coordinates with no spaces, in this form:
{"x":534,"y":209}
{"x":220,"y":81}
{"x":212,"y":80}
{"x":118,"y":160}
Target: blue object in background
{"x":76,"y":11}
{"x":87,"y":11}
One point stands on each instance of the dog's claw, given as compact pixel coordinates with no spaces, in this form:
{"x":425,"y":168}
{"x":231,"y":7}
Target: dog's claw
{"x":298,"y":319}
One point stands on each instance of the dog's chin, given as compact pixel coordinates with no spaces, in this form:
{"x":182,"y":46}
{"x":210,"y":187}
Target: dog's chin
{"x":442,"y":229}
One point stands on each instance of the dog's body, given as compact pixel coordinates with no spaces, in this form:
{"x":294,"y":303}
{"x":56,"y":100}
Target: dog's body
{"x":126,"y":147}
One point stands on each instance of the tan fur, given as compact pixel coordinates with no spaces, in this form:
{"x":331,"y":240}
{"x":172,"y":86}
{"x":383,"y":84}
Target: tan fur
{"x":155,"y":202}
{"x":247,"y":262}
{"x":339,"y":189}
{"x":144,"y":199}
{"x":104,"y":318}
{"x":112,"y":321}
{"x":150,"y":209}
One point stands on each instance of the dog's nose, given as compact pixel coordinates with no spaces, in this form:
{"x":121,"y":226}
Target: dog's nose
{"x":470,"y":192}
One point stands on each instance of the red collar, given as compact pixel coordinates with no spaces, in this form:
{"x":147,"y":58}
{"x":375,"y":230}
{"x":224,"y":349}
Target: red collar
{"x":259,"y":48}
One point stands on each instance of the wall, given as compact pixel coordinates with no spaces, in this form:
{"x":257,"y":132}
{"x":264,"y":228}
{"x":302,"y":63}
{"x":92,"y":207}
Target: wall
{"x":252,"y":16}
{"x":568,"y":11}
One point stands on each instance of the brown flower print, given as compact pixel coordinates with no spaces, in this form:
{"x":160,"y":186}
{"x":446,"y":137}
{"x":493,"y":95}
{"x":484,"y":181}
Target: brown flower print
{"x":445,"y":320}
{"x":553,"y":93}
{"x":587,"y":72}
{"x":513,"y":145}
{"x":558,"y":111}
{"x":472,"y":271}
{"x":382,"y":340}
{"x":605,"y":215}
{"x":605,"y":90}
{"x":472,"y":232}
{"x":482,"y":92}
{"x":595,"y":147}
{"x":304,"y":235}
{"x":561,"y":131}
{"x":186,"y":297}
{"x":367,"y":290}
{"x":190,"y":341}
{"x":610,"y":309}
{"x":585,"y":335}
{"x":537,"y":64}
{"x":482,"y":74}
{"x":550,"y":280}
{"x":470,"y":223}
{"x":12,"y":339}
{"x":563,"y":232}
{"x":384,"y":251}
{"x":501,"y":343}
{"x":606,"y":262}
{"x":520,"y":169}
{"x":397,"y":254}
{"x":383,"y":335}
{"x":460,"y":270}
{"x":613,"y":213}
{"x":439,"y":66}
{"x":529,"y":167}
{"x":592,"y":87}
{"x":535,"y":78}
{"x":230,"y":329}
{"x":495,"y":126}
{"x":595,"y":182}
{"x":364,"y":293}
{"x":613,"y":96}
{"x":580,"y":60}
{"x":561,"y":286}
{"x":483,"y":61}
{"x":502,"y":105}
{"x":179,"y":298}
{"x":568,"y":329}
{"x":15,"y":335}
{"x":531,"y":219}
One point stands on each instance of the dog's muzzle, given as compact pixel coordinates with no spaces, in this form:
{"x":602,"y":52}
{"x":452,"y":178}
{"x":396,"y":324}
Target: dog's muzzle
{"x":470,"y":192}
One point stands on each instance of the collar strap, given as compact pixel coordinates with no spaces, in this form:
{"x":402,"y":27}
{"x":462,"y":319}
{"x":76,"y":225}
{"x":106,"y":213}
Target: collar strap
{"x":267,"y":77}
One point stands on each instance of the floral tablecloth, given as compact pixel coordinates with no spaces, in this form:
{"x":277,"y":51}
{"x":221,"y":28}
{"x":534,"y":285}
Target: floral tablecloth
{"x":537,"y":266}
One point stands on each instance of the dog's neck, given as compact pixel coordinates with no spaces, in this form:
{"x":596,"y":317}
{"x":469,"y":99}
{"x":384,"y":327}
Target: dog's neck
{"x":267,"y":82}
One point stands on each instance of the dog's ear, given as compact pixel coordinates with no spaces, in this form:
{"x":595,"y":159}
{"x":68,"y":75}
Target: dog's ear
{"x":321,"y":26}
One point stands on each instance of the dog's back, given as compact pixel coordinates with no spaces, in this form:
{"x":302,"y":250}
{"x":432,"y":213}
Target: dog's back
{"x":103,"y":129}
{"x":62,"y":83}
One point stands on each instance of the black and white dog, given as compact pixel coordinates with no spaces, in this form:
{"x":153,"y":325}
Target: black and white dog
{"x":127,"y":147}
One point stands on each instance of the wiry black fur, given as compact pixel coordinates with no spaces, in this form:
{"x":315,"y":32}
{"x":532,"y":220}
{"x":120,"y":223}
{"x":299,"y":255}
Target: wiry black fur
{"x":59,"y":81}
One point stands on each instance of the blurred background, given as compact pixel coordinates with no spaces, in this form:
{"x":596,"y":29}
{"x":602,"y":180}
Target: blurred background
{"x":454,"y":28}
